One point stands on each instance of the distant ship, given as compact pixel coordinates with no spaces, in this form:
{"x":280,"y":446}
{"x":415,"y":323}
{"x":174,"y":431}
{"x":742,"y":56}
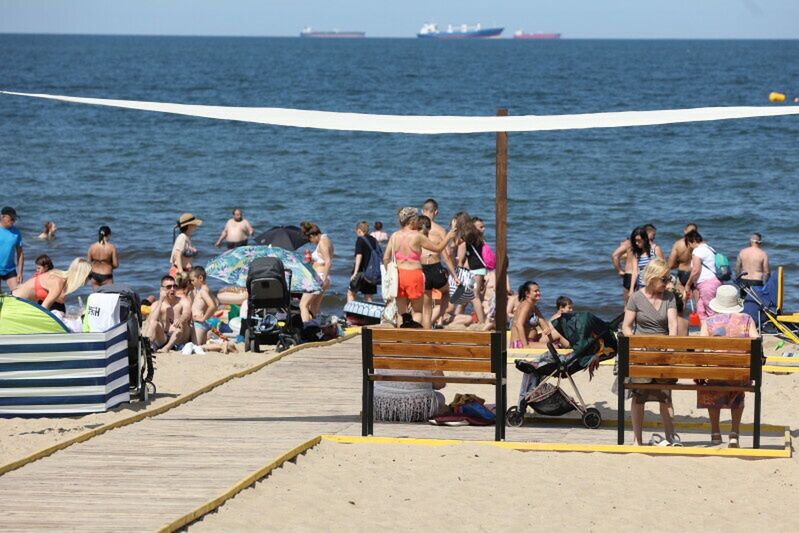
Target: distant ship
{"x":431,"y":31}
{"x":537,"y":35}
{"x":332,"y":34}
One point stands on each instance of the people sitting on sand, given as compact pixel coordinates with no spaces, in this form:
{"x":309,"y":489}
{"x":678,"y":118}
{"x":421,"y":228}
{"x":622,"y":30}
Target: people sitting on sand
{"x":365,"y":246}
{"x":752,"y":264}
{"x":103,"y":257}
{"x":703,"y":274}
{"x":48,"y":232}
{"x":380,"y":236}
{"x":169,"y":319}
{"x":405,"y":247}
{"x":237,"y":231}
{"x":203,"y":305}
{"x":49,"y":287}
{"x":563,"y":304}
{"x":396,"y":401}
{"x":652,"y":311}
{"x":322,"y":262}
{"x":728,"y":321}
{"x":524,"y":331}
{"x":182,"y":250}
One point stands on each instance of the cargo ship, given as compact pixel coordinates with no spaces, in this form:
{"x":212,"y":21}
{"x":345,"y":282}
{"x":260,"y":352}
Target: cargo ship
{"x":332,"y":34}
{"x":431,"y":31}
{"x":537,"y":35}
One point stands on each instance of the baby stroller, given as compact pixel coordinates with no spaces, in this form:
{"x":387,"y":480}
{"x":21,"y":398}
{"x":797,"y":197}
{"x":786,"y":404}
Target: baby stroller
{"x":140,"y":352}
{"x":590,"y":337}
{"x":271,"y":318}
{"x":762,"y":303}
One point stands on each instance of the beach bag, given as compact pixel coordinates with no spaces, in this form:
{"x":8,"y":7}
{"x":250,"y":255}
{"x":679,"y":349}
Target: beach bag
{"x":101,"y":313}
{"x":723,"y":271}
{"x":488,"y":256}
{"x":372,"y":273}
{"x":389,"y":277}
{"x":463,"y":293}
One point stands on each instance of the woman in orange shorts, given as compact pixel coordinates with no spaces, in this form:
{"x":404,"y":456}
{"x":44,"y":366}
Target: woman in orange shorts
{"x":405,"y":246}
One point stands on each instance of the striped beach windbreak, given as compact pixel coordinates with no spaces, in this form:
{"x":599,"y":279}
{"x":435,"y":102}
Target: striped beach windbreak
{"x":63,"y":374}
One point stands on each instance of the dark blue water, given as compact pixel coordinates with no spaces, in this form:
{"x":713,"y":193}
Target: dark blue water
{"x":573,"y":195}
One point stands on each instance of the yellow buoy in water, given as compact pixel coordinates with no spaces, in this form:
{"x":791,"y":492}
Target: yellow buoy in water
{"x":776,"y":98}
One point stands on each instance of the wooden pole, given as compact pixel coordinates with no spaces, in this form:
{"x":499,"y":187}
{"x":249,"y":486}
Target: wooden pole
{"x":501,"y":313}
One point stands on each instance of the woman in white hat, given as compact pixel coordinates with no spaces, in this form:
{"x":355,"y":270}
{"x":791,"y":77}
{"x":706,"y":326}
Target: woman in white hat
{"x":182,"y":250}
{"x":728,"y":321}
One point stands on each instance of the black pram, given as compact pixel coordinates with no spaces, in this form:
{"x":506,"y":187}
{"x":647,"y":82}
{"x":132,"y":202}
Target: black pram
{"x":590,"y":337}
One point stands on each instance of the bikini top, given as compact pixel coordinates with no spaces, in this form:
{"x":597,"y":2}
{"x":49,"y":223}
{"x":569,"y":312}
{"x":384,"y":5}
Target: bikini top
{"x":413,"y":255}
{"x":315,"y":254}
{"x":38,"y":291}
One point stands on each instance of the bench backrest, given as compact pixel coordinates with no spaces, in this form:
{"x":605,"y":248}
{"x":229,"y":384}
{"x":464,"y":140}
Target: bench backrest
{"x":416,"y":349}
{"x":722,"y":358}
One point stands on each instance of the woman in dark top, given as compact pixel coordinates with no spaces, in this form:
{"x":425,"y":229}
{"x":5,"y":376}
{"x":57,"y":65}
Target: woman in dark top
{"x":364,"y":245}
{"x":472,"y":246}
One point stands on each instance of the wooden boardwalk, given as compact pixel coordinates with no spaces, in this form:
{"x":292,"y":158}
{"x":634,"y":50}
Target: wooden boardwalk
{"x":143,"y":476}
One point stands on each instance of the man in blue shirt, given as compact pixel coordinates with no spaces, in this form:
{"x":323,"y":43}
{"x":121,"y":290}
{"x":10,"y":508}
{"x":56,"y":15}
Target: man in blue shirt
{"x":12,"y":260}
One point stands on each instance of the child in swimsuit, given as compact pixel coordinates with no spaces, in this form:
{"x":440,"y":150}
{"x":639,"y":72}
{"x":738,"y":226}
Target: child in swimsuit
{"x":203,"y":306}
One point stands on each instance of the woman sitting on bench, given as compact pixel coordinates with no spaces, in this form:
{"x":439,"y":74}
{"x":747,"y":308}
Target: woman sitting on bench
{"x":728,"y":322}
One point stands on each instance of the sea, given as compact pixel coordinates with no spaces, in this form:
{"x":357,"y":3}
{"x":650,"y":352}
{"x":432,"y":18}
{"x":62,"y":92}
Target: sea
{"x":573,"y":195}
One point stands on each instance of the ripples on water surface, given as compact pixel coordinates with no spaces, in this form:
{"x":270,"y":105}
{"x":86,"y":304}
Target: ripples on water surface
{"x":573,"y":195}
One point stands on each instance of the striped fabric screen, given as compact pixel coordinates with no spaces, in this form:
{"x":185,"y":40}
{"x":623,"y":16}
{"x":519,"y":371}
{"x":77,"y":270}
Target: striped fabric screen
{"x":63,"y":374}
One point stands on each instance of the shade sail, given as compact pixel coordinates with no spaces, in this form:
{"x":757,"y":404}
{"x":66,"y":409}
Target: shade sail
{"x":431,"y":125}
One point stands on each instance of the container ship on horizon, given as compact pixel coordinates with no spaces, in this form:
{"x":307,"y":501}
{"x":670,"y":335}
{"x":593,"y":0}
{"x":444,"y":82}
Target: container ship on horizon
{"x":332,"y":34}
{"x":431,"y":31}
{"x":536,"y":36}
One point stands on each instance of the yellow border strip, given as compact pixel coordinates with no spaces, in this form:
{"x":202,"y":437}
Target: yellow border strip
{"x":725,"y":426}
{"x":564,"y":447}
{"x":242,"y":484}
{"x":4,"y":469}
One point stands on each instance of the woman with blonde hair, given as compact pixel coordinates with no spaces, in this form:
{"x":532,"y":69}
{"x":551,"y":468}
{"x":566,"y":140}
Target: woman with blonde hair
{"x":652,"y":311}
{"x":322,"y":258}
{"x":405,"y":247}
{"x":50,"y":288}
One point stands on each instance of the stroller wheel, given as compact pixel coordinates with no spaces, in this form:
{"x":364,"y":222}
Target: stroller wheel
{"x":592,"y":419}
{"x":514,"y":418}
{"x":285,"y":343}
{"x":149,"y":389}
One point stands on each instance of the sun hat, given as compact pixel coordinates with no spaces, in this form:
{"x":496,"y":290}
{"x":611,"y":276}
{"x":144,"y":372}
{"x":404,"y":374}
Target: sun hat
{"x":187,"y":219}
{"x":726,"y":300}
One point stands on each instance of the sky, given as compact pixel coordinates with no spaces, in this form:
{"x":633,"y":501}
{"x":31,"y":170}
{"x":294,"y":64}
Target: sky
{"x":624,"y":19}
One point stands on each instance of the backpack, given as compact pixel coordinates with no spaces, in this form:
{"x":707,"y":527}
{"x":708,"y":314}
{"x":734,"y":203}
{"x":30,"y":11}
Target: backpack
{"x":723,"y":271}
{"x":371,"y":272}
{"x":488,"y":256}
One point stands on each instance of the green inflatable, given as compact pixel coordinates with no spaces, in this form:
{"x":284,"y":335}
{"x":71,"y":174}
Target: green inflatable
{"x":23,"y":317}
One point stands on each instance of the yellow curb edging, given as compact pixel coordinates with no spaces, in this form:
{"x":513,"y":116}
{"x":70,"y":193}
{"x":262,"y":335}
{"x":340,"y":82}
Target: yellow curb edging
{"x":212,"y":505}
{"x":14,"y":465}
{"x":725,"y":426}
{"x":565,"y":447}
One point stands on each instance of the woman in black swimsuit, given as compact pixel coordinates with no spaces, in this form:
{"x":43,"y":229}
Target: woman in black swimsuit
{"x":103,"y":257}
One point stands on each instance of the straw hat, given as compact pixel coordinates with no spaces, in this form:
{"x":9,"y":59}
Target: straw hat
{"x":726,"y":300}
{"x":187,"y":219}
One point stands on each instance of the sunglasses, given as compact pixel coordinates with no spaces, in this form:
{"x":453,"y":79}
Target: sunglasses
{"x":666,"y":279}
{"x":168,"y":287}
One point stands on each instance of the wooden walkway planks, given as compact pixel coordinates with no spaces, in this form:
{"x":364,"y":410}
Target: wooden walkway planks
{"x":140,"y":477}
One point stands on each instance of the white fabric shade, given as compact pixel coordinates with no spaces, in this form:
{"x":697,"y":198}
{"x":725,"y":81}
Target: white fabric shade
{"x":429,"y":125}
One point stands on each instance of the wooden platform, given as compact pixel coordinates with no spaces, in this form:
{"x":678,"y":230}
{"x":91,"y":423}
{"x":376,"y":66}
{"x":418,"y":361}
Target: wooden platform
{"x":143,"y":476}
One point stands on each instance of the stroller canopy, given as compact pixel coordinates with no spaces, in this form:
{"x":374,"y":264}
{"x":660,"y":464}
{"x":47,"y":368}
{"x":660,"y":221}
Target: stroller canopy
{"x":266,"y":268}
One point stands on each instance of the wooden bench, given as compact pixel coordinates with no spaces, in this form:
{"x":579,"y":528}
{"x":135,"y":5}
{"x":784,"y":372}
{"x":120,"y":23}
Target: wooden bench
{"x":690,"y":358}
{"x":465,"y":357}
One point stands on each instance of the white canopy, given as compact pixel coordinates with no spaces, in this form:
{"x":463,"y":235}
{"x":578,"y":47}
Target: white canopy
{"x":429,"y":125}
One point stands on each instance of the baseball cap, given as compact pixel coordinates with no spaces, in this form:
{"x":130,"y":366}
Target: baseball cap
{"x":10,"y":211}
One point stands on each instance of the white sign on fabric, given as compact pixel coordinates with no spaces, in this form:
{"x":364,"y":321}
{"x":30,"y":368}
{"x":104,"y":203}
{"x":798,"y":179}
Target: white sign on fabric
{"x":429,"y":125}
{"x":102,"y":312}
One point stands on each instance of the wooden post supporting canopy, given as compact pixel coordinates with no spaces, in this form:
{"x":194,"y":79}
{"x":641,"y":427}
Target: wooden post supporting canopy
{"x":501,"y":313}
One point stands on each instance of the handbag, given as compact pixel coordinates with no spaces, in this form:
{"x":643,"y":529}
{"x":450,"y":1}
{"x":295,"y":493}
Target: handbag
{"x":389,"y":278}
{"x":463,"y":293}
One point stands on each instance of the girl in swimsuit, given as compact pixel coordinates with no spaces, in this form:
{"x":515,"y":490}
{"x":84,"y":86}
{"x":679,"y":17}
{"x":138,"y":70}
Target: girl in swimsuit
{"x":527,"y":318}
{"x":49,"y":288}
{"x":182,"y":250}
{"x":470,"y":257}
{"x":405,"y":247}
{"x":322,"y":258}
{"x":641,"y":252}
{"x":103,"y":257}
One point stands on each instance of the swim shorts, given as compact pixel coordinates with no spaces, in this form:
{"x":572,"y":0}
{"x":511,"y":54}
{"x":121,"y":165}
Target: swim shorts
{"x":12,"y":274}
{"x":479,"y":272}
{"x":231,"y":245}
{"x":411,"y":283}
{"x":205,"y":326}
{"x":683,"y":276}
{"x":627,"y":281}
{"x":435,"y":276}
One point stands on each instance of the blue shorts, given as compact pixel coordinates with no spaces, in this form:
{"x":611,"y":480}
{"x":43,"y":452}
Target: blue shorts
{"x":12,"y":274}
{"x":479,"y":272}
{"x":205,"y":326}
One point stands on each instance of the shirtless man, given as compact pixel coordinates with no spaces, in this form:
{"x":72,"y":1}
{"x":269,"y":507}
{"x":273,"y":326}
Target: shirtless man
{"x":436,"y":275}
{"x":237,"y":231}
{"x":168,"y":323}
{"x":680,"y":257}
{"x":753,"y":263}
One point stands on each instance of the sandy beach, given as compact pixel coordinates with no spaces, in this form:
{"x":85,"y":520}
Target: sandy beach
{"x":404,"y":487}
{"x":176,"y":375}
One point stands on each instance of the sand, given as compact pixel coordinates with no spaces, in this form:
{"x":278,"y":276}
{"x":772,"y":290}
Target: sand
{"x":175,"y":376}
{"x":364,"y":487}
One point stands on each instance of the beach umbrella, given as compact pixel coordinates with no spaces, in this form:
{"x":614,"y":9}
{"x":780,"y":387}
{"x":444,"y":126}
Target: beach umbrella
{"x":286,"y":237}
{"x":233,"y":265}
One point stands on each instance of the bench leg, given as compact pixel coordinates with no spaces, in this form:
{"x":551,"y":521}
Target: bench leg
{"x":757,"y":419}
{"x":620,"y":411}
{"x":365,"y":408}
{"x":499,"y":417}
{"x":504,"y":407}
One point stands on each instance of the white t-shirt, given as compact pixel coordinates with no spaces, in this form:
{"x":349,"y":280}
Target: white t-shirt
{"x":708,"y":258}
